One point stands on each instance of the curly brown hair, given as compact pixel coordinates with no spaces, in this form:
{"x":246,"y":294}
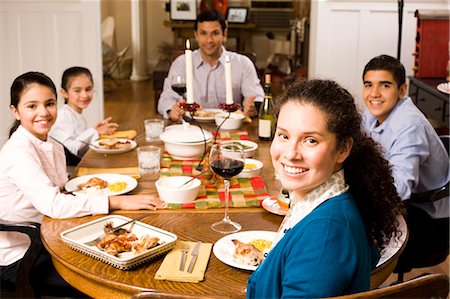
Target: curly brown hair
{"x":367,"y":173}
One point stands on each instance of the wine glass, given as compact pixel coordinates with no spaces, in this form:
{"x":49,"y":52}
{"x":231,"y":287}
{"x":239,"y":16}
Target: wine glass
{"x":226,"y":160}
{"x":178,"y":84}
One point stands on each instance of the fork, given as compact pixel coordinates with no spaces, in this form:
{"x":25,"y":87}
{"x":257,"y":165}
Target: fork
{"x":111,"y":230}
{"x":184,"y":252}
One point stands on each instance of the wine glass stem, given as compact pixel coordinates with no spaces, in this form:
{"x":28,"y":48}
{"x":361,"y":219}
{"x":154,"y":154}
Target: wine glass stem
{"x":226,"y":184}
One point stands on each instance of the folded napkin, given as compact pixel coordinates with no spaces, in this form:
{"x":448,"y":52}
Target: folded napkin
{"x":170,"y":267}
{"x":130,"y":134}
{"x":131,"y":171}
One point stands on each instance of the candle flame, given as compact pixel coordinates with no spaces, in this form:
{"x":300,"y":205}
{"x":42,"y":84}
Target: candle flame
{"x":227,"y":59}
{"x":188,"y":44}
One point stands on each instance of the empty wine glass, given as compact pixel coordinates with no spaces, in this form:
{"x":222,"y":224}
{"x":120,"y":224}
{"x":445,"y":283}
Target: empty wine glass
{"x":226,"y":160}
{"x":178,"y":83}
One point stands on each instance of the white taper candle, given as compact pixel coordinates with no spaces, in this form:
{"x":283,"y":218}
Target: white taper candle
{"x":228,"y":85}
{"x":189,"y":78}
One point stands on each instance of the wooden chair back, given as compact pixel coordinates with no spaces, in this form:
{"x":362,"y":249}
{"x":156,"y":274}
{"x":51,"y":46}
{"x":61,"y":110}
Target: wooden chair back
{"x":426,"y":286}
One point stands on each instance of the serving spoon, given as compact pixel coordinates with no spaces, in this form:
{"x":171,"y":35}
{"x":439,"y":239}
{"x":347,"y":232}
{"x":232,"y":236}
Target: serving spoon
{"x":191,"y":179}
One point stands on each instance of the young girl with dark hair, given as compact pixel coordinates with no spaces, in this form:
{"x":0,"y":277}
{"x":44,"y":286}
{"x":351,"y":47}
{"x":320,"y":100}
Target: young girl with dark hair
{"x":71,"y":129}
{"x":33,"y":173}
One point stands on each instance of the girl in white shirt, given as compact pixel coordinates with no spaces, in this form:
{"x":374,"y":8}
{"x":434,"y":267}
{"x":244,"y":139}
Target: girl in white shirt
{"x":71,"y":129}
{"x":33,"y":172}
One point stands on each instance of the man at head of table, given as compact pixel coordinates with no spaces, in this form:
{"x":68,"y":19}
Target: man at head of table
{"x":209,"y":72}
{"x":418,"y":157}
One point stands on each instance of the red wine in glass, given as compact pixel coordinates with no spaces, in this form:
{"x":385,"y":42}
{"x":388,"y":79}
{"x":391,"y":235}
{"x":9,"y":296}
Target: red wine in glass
{"x":179,"y":88}
{"x":227,"y":168}
{"x":178,"y":84}
{"x":227,"y":160}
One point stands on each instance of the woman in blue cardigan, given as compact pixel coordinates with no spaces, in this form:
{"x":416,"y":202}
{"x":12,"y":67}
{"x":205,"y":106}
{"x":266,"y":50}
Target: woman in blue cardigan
{"x":343,"y":202}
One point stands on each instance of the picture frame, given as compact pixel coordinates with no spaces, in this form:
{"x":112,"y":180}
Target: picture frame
{"x":183,"y":10}
{"x":237,"y":15}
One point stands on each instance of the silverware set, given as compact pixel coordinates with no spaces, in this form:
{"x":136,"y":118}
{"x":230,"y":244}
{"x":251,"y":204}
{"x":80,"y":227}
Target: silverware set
{"x":194,"y":254}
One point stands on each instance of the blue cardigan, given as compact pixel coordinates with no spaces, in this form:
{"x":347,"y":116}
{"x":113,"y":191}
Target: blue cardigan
{"x":326,"y":254}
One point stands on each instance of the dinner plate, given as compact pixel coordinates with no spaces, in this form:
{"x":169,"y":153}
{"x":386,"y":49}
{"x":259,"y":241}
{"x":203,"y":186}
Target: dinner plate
{"x":211,"y":111}
{"x":224,"y":248}
{"x":99,"y":149}
{"x":444,"y":87}
{"x":76,"y":238}
{"x":72,"y":185}
{"x":270,"y":204}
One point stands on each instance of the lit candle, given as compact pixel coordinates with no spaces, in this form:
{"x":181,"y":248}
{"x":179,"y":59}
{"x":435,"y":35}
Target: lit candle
{"x":228,"y":88}
{"x":189,"y":85}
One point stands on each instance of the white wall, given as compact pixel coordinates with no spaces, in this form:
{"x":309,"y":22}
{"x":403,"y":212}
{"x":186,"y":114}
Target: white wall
{"x":49,"y":36}
{"x":345,"y":35}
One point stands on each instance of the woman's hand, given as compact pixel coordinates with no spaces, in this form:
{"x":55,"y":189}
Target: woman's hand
{"x":106,"y":126}
{"x":135,"y":202}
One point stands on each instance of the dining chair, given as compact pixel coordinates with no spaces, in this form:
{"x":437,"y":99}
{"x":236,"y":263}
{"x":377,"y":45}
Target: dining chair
{"x":23,"y":288}
{"x":169,"y":295}
{"x":434,"y":255}
{"x":426,"y":286}
{"x":112,"y":62}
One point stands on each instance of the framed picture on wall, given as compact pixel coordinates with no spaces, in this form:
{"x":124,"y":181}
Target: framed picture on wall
{"x":237,"y":15}
{"x":183,"y":10}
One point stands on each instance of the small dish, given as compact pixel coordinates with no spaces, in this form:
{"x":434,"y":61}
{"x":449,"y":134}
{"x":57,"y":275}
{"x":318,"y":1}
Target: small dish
{"x":250,"y":147}
{"x":97,"y":146}
{"x":444,"y":87}
{"x":251,"y":169}
{"x":171,"y":189}
{"x":271,"y":205}
{"x":229,"y":121}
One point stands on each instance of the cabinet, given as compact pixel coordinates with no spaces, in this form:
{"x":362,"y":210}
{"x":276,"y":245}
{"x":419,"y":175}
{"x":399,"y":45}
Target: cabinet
{"x":432,"y":102}
{"x":183,"y":30}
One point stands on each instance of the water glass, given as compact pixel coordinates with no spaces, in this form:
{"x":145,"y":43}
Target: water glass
{"x":153,"y":128}
{"x":149,"y":158}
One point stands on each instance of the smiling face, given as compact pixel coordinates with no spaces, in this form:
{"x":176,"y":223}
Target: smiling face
{"x":304,"y":153}
{"x":210,"y":37}
{"x":36,"y":110}
{"x":381,"y":93}
{"x":79,"y":93}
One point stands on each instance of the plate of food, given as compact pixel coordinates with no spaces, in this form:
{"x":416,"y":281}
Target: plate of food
{"x":206,"y":114}
{"x":102,"y":183}
{"x":444,"y":87}
{"x":113,"y":145}
{"x":244,"y":250}
{"x":129,"y":246}
{"x":271,"y":205}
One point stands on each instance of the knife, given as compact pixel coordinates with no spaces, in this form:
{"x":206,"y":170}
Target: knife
{"x":194,"y":256}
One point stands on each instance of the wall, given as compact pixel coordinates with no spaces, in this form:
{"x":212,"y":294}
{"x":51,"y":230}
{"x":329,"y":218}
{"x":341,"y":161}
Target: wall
{"x":49,"y":36}
{"x":345,"y":35}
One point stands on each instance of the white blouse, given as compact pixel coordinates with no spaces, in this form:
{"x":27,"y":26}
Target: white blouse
{"x":300,"y":208}
{"x":71,"y":130}
{"x":32,"y":173}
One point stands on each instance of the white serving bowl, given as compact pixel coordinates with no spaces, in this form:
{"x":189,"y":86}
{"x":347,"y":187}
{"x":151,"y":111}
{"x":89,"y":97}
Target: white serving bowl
{"x":251,"y":169}
{"x":170,"y":190}
{"x":185,"y":142}
{"x":250,"y":147}
{"x":234,"y":122}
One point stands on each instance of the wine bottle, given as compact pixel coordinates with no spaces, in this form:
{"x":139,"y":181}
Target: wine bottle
{"x":266,"y":117}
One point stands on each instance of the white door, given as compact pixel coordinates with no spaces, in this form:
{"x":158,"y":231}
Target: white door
{"x":49,"y":36}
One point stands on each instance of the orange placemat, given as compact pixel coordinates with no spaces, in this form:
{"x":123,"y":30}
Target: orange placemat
{"x":231,"y":135}
{"x":244,"y":192}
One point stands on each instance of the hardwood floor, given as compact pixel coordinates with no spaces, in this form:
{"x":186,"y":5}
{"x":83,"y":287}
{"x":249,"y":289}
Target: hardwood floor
{"x":135,"y":100}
